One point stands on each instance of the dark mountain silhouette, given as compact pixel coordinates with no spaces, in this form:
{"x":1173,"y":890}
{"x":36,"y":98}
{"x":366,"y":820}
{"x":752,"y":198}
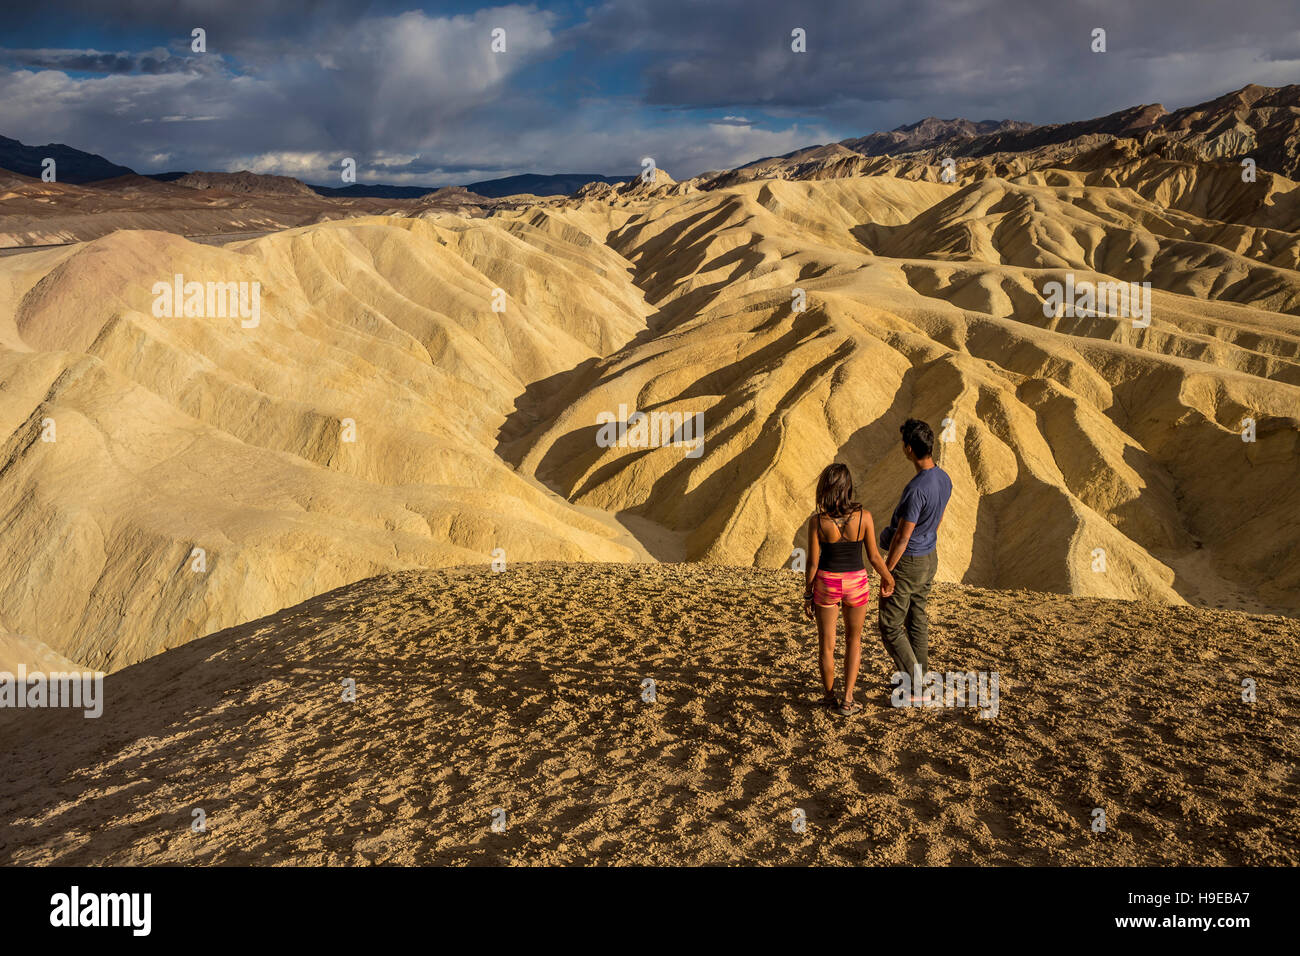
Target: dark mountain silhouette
{"x":70,"y":165}
{"x":371,"y":190}
{"x":558,"y":184}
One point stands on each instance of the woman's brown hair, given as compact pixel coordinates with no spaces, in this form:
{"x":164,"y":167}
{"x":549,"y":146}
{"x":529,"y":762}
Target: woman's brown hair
{"x":835,"y":492}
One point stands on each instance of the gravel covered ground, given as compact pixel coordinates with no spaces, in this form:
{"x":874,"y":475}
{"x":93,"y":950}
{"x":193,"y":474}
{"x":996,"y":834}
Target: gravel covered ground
{"x":519,"y":698}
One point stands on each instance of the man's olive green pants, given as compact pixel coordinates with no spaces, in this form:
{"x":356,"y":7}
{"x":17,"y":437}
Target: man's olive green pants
{"x":903,"y":625}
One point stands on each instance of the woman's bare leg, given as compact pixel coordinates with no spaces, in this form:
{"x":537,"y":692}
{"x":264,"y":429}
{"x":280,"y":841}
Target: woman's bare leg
{"x":827,"y":617}
{"x":853,"y":620}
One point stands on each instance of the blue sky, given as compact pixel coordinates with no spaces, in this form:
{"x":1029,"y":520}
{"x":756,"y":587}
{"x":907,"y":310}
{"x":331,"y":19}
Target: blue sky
{"x":414,"y":93}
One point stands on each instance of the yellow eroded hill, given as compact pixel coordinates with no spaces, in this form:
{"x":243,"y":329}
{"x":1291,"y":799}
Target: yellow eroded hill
{"x":426,"y":391}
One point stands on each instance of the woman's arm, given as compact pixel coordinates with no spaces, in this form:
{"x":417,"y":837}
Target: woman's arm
{"x":814,"y":553}
{"x":877,"y":562}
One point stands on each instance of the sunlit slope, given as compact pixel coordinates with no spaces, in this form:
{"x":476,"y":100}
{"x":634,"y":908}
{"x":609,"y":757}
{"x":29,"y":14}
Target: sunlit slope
{"x":176,"y":433}
{"x":1069,"y":435}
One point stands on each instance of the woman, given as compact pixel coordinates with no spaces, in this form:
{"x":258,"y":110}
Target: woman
{"x":838,"y":533}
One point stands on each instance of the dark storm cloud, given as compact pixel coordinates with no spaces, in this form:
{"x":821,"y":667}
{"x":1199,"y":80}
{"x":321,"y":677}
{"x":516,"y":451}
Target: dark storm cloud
{"x":232,"y":21}
{"x":92,"y":61}
{"x":1024,"y":57}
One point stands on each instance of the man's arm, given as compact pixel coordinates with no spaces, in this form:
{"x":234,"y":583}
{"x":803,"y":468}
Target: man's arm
{"x":899,"y":542}
{"x":875,"y":558}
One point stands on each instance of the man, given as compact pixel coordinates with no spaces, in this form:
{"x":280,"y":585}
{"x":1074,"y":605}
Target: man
{"x":910,"y":542}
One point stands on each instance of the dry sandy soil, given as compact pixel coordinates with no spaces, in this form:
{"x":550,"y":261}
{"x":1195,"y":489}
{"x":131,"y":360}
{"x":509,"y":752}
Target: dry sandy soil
{"x":523,"y":690}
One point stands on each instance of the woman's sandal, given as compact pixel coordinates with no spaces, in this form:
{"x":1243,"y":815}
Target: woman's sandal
{"x":848,"y":710}
{"x":830,"y":700}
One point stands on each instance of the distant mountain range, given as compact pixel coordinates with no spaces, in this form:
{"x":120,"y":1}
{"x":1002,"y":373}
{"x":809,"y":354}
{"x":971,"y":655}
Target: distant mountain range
{"x":245,"y":182}
{"x":371,"y":190}
{"x":929,"y":132}
{"x":71,"y":165}
{"x":1256,"y":121}
{"x":558,"y":184}
{"x":78,"y":167}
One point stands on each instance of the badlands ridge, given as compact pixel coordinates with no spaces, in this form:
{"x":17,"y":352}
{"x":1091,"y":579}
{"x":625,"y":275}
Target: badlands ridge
{"x":423,"y":388}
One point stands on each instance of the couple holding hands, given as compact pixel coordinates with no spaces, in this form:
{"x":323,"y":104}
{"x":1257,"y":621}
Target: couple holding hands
{"x":841,"y":534}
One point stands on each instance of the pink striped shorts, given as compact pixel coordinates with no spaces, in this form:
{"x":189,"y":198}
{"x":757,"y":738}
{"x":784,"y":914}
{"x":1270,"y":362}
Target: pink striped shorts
{"x":850,"y":587}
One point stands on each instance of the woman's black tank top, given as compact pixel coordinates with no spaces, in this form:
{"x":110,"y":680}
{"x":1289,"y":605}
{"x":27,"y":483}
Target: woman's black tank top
{"x":841,"y":556}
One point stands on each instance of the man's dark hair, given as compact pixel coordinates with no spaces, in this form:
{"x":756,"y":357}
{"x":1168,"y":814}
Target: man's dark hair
{"x":918,"y":437}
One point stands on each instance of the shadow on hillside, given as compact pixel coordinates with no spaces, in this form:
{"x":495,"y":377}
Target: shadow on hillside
{"x":542,"y":402}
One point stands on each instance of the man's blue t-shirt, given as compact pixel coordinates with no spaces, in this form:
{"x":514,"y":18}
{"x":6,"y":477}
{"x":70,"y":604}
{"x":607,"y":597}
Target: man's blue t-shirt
{"x":923,"y":502}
